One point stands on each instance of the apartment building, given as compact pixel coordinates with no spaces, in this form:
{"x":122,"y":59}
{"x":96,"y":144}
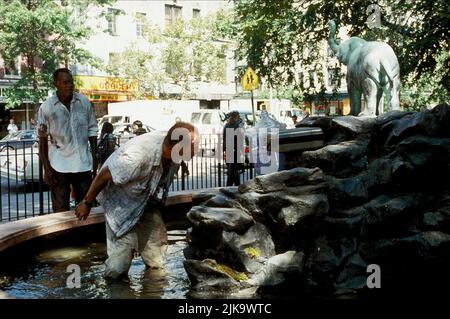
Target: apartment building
{"x":121,"y":27}
{"x":10,"y":73}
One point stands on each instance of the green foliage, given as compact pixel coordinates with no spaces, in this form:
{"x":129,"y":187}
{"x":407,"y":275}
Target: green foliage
{"x":417,"y":94}
{"x":135,"y":64}
{"x":276,"y":36}
{"x":45,"y":34}
{"x":190,"y":51}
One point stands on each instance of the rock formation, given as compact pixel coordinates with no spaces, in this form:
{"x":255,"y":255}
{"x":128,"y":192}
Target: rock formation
{"x":378,"y":192}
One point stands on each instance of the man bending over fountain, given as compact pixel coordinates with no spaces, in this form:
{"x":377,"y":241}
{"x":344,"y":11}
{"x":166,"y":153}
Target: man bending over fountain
{"x":131,"y":186}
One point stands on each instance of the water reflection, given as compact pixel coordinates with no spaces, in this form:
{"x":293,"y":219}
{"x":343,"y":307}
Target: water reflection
{"x":45,"y":276}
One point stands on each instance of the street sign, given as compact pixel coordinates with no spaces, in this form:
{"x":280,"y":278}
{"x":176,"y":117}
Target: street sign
{"x":250,"y":80}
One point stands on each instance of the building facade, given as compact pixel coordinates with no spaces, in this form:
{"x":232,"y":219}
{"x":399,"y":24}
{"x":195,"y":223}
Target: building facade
{"x":120,"y":26}
{"x":10,"y":73}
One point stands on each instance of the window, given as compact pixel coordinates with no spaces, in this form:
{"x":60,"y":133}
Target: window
{"x":172,"y":13}
{"x":112,"y":20}
{"x":207,"y":118}
{"x":28,"y":136}
{"x":195,"y":13}
{"x":195,"y":119}
{"x":140,"y":22}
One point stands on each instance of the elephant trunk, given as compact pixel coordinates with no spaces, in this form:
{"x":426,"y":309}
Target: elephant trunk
{"x":332,"y":37}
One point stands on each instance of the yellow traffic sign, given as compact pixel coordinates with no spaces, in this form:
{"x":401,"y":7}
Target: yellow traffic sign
{"x":250,"y":80}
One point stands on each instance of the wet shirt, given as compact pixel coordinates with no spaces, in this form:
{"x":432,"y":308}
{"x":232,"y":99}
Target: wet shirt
{"x":69,"y":133}
{"x":137,"y":173}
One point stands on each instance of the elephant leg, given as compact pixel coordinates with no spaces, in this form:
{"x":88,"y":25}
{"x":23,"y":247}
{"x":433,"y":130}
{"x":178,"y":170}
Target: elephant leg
{"x":379,"y":109}
{"x":355,"y":99}
{"x":370,"y":91}
{"x":394,"y":101}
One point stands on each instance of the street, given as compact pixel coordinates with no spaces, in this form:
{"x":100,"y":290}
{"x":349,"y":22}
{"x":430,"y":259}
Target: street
{"x":20,"y":200}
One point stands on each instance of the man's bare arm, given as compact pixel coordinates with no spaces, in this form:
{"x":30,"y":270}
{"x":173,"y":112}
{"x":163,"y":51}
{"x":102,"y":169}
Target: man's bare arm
{"x":98,"y":184}
{"x":43,"y":153}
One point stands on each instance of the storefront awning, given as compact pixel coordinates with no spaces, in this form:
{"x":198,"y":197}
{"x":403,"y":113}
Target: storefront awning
{"x":103,"y":89}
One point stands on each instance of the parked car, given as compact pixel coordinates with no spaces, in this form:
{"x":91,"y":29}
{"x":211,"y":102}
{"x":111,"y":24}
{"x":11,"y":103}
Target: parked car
{"x":208,"y":121}
{"x":119,"y":131}
{"x":21,"y":166}
{"x":113,"y":119}
{"x":120,"y":128}
{"x":285,"y":116}
{"x":18,"y":140}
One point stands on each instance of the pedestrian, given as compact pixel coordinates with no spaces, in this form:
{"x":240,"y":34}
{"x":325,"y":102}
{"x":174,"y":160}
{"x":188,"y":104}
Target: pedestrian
{"x":32,"y":124}
{"x":138,"y":128}
{"x":131,"y":186}
{"x":71,"y":159}
{"x":107,"y":144}
{"x":12,"y":127}
{"x":294,"y":120}
{"x":233,"y":127}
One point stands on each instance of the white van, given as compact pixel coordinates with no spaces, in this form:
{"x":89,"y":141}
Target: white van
{"x":210,"y":123}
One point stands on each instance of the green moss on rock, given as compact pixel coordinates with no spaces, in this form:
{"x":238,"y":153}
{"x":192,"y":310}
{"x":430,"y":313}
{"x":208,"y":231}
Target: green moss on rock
{"x":238,"y":276}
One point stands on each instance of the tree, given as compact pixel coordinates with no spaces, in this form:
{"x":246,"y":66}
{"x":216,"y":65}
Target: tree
{"x":416,"y":95}
{"x":45,"y":33}
{"x":138,"y":68}
{"x":276,"y":36}
{"x":189,"y":52}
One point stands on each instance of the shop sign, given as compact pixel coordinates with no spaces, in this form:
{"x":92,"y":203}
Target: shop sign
{"x":108,"y":84}
{"x":95,"y":97}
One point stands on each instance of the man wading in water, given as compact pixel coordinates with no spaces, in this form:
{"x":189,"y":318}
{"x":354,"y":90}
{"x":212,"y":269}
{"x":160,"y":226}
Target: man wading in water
{"x":128,"y":185}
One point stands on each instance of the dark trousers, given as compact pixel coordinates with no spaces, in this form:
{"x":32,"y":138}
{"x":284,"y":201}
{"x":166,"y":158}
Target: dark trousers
{"x":61,"y":193}
{"x":233,"y":177}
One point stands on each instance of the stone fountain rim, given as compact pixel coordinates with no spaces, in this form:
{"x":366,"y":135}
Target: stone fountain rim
{"x":16,"y":232}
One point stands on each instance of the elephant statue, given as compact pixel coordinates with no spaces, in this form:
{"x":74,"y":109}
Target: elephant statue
{"x":371,"y":67}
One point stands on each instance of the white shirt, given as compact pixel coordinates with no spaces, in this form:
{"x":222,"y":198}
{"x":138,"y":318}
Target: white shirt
{"x":69,"y":133}
{"x":137,"y":174}
{"x":12,"y":128}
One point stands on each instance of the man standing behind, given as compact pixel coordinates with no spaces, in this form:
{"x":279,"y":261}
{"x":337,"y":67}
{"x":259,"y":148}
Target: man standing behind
{"x":69,"y":120}
{"x":232,"y":126}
